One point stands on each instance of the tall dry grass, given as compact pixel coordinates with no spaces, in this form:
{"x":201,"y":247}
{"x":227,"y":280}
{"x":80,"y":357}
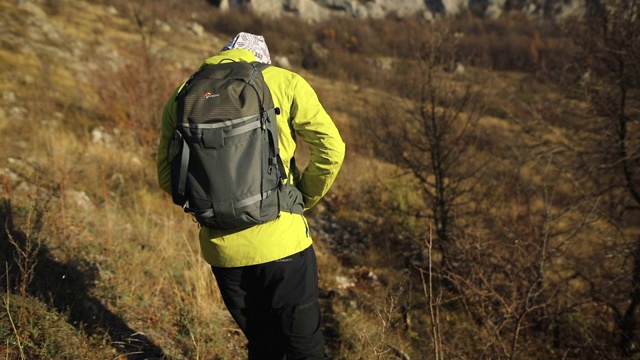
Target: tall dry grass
{"x":119,"y":271}
{"x":110,"y":237}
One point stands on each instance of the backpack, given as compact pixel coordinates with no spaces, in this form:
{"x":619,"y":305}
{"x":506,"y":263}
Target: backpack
{"x":226,"y":168}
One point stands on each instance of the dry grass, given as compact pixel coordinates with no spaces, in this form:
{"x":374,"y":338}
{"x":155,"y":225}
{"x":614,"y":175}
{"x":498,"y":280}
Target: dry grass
{"x":106,"y":207}
{"x":120,"y":273}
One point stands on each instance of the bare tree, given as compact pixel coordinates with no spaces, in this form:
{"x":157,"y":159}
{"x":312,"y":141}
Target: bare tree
{"x":609,"y":43}
{"x":429,"y":131}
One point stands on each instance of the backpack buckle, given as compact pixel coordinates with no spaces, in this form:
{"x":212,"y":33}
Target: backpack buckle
{"x":273,"y":165}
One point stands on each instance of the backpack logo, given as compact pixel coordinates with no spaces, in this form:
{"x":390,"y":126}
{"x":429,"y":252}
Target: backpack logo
{"x":209,"y":95}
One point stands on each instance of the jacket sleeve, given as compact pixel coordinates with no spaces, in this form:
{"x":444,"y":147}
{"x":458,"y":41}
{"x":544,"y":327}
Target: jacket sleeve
{"x":169,"y":122}
{"x":327,"y":150}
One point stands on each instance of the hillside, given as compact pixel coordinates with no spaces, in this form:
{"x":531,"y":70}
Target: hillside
{"x":311,"y":10}
{"x":114,"y":266}
{"x":487,"y":207}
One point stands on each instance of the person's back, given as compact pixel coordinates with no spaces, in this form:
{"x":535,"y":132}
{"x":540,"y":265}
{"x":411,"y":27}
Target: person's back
{"x":267,"y":274}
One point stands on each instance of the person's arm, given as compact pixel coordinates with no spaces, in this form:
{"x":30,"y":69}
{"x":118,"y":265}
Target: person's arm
{"x":327,"y":150}
{"x":169,"y":122}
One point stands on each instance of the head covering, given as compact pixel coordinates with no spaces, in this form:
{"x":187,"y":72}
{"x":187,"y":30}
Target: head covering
{"x":253,"y":43}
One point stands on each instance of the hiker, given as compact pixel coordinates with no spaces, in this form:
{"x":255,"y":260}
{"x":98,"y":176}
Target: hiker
{"x":267,"y":273}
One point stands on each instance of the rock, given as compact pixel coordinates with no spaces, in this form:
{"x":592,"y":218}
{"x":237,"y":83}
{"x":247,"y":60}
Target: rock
{"x":196,"y":28}
{"x":455,"y":68}
{"x":17,"y":111}
{"x":318,"y":10}
{"x":9,"y":96}
{"x":100,"y":136}
{"x":28,"y":79}
{"x":135,"y":162}
{"x":343,"y":282}
{"x":319,"y":51}
{"x":33,"y":9}
{"x":9,"y":175}
{"x":111,"y":10}
{"x":81,"y":199}
{"x":383,"y":63}
{"x":282,"y":61}
{"x":314,"y":55}
{"x":163,"y":26}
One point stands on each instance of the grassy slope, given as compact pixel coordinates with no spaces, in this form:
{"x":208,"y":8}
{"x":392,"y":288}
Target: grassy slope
{"x":145,"y":274}
{"x":134,"y":257}
{"x":120,"y":263}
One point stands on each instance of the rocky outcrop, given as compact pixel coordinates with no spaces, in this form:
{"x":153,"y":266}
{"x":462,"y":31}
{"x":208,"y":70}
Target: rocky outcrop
{"x":318,"y":10}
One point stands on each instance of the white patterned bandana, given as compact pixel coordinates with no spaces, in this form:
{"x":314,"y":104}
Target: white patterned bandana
{"x":253,"y":43}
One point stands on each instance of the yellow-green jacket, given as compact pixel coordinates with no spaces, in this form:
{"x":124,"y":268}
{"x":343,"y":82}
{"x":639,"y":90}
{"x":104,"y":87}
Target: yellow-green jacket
{"x":300,"y":110}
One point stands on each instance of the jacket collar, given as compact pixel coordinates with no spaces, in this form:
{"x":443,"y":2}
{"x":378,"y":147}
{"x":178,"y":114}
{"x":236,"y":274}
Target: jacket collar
{"x":233,"y":54}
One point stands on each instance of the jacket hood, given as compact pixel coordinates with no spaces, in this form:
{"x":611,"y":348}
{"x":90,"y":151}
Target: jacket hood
{"x":233,"y":55}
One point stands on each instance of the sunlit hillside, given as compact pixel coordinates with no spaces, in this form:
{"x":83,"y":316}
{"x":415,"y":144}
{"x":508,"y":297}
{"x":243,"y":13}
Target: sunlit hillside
{"x":487,"y":209}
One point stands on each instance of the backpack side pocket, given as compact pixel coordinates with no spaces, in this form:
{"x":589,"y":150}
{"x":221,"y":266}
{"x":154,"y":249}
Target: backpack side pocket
{"x":175,"y":146}
{"x":175,"y":155}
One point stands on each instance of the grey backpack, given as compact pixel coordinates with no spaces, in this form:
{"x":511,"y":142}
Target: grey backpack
{"x":225,"y":165}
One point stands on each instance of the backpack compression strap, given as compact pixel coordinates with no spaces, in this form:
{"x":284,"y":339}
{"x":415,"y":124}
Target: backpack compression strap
{"x":184,"y":165}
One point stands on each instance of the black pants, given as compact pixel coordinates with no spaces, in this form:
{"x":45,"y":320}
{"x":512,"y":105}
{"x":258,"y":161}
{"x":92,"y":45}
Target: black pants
{"x":276,"y":306}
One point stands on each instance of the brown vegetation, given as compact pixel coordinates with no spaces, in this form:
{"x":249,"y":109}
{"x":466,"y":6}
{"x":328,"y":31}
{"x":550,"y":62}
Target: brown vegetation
{"x":488,"y":207}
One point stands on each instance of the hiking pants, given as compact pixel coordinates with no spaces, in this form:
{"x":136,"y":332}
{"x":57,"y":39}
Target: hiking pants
{"x":276,"y":306}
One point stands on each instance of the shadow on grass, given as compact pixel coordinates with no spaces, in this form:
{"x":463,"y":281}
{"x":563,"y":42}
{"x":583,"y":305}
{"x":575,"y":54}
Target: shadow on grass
{"x":66,"y":287}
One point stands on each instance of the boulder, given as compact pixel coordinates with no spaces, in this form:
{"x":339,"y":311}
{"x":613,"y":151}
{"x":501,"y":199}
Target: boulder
{"x":318,"y":10}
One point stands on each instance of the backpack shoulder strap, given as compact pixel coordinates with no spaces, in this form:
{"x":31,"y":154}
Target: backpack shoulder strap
{"x":260,"y":66}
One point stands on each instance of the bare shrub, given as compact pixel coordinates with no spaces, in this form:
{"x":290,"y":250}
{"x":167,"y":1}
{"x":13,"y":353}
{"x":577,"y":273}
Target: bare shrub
{"x":133,"y":92}
{"x":511,"y":43}
{"x":429,"y":133}
{"x":608,"y":42}
{"x":234,"y":21}
{"x":21,"y":248}
{"x":166,"y":10}
{"x":517,"y":277}
{"x":512,"y":264}
{"x":350,"y":35}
